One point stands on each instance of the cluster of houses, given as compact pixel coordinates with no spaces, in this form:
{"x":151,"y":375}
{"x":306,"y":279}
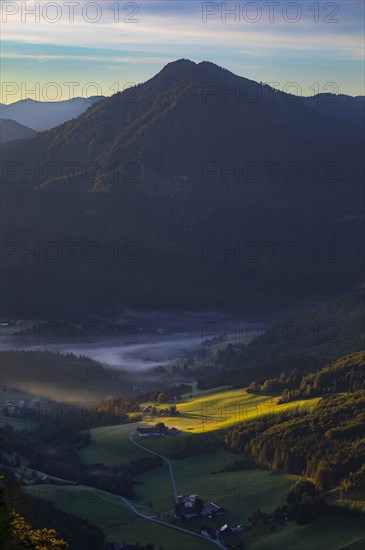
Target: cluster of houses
{"x":151,"y":410}
{"x":191,"y":506}
{"x":17,"y":407}
{"x":160,"y":430}
{"x":10,"y":323}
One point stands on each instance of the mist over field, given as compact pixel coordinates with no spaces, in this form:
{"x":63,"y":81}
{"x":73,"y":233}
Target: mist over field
{"x":137,"y":341}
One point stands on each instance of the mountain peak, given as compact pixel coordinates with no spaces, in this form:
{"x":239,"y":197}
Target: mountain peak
{"x":187,"y":69}
{"x":177,"y":68}
{"x":183,"y":63}
{"x":199,"y":72}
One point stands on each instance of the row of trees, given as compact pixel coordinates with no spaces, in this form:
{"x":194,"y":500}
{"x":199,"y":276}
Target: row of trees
{"x":197,"y":445}
{"x":347,"y":374}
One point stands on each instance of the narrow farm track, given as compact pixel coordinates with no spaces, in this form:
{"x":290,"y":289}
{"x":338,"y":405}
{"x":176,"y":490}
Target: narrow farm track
{"x":168,"y":462}
{"x":152,"y":518}
{"x":173,"y":483}
{"x":131,"y":506}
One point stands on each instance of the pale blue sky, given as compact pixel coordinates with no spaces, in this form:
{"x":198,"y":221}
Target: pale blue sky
{"x":271,"y":41}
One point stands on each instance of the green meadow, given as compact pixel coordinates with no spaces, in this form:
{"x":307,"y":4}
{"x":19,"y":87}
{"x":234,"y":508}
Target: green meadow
{"x":326,"y":533}
{"x":201,"y":413}
{"x":119,"y":523}
{"x":111,"y":445}
{"x":165,"y":537}
{"x":114,"y":517}
{"x":240,"y":493}
{"x":99,"y":508}
{"x":214,"y":410}
{"x":153,"y":491}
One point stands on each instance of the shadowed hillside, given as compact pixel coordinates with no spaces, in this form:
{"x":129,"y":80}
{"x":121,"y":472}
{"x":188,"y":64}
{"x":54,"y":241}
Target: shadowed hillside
{"x":285,"y":228}
{"x":303,"y":344}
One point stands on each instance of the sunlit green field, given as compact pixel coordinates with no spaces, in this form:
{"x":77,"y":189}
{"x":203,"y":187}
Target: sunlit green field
{"x":204,"y":412}
{"x":219,"y":410}
{"x":240,"y":493}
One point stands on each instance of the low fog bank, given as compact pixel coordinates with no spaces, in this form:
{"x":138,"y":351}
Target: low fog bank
{"x":136,"y":341}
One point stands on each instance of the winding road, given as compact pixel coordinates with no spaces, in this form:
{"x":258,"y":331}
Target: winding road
{"x":168,"y":462}
{"x":134,"y":509}
{"x":173,"y":483}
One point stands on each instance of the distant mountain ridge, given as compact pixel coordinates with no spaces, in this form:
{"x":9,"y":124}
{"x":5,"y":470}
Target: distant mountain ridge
{"x":43,"y":115}
{"x":164,"y":153}
{"x":10,"y":130}
{"x":348,"y":109}
{"x":54,"y":113}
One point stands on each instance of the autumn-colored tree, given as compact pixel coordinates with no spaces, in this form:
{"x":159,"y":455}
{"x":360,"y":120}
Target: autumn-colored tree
{"x":15,"y":533}
{"x":39,"y":539}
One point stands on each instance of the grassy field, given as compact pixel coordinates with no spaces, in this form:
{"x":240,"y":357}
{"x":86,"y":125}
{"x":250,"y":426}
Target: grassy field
{"x":16,"y":423}
{"x":100,"y":509}
{"x":114,"y":517}
{"x":240,"y":493}
{"x":169,"y":539}
{"x":203,"y":412}
{"x":326,"y":533}
{"x":154,"y":492}
{"x":219,"y":410}
{"x":110,"y":445}
{"x":119,"y":523}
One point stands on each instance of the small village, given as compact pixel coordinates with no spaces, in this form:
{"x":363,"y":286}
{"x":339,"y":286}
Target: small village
{"x":17,"y":408}
{"x":190,"y":506}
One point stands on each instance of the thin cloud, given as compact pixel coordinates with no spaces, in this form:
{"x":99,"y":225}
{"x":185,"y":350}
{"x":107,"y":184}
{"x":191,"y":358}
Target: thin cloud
{"x":247,"y":52}
{"x":91,"y":58}
{"x":171,"y":31}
